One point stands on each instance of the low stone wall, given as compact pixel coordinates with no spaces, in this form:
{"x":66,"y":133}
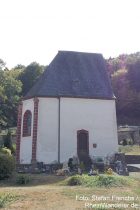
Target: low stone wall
{"x":38,"y":168}
{"x":132,"y":159}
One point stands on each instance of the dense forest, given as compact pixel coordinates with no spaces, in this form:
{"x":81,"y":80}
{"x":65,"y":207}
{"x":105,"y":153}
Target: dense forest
{"x":123,"y":70}
{"x":125,"y":77}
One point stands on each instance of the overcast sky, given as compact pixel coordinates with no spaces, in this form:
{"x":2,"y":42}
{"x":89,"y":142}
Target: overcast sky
{"x":34,"y":30}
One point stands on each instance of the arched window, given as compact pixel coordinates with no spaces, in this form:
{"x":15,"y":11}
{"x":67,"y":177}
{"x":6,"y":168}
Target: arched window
{"x":27,"y":120}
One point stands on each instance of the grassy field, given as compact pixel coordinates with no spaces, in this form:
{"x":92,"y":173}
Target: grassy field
{"x":130,"y":149}
{"x":52,"y":193}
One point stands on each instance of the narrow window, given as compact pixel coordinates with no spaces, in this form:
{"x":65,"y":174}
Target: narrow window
{"x":27,"y":123}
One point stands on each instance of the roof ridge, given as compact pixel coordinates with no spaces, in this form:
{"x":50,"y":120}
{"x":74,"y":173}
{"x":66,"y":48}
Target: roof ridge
{"x":82,"y":52}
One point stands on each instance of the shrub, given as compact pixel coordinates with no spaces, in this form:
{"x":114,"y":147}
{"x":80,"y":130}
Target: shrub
{"x":97,"y":181}
{"x":75,"y":180}
{"x":7,"y":165}
{"x":7,"y":140}
{"x":111,"y":181}
{"x":106,"y":181}
{"x":13,"y":149}
{"x":22,"y":179}
{"x":6,"y":198}
{"x":5,"y":150}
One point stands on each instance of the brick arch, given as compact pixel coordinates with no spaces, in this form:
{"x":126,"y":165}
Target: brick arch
{"x":27,"y":123}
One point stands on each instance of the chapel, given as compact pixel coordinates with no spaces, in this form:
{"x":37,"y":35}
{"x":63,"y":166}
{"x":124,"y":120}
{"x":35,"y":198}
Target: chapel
{"x":70,"y":111}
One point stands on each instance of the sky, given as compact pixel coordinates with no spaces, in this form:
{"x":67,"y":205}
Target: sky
{"x":35,"y":30}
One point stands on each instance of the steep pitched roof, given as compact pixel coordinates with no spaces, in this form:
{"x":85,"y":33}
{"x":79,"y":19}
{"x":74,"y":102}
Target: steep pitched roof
{"x":74,"y":74}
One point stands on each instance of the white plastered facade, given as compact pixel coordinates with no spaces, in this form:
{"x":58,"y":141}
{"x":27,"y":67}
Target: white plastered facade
{"x":26,"y":142}
{"x":96,"y":116}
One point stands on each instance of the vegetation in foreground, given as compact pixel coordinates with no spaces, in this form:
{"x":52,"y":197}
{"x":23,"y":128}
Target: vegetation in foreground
{"x":98,"y":181}
{"x":7,"y":163}
{"x":7,"y":198}
{"x":54,"y":192}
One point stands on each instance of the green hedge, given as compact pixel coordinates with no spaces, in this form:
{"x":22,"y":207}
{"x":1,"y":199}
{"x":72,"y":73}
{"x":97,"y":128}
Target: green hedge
{"x":7,"y":165}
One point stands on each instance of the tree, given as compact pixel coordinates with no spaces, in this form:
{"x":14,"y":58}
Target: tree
{"x":127,"y":94}
{"x":2,"y":64}
{"x":10,"y":89}
{"x":134,"y":74}
{"x":29,"y":76}
{"x":14,"y":84}
{"x":19,"y":66}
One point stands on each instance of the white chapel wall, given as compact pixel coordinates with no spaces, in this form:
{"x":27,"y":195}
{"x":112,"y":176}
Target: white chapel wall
{"x":96,"y":116}
{"x":47,"y":136}
{"x":26,"y":142}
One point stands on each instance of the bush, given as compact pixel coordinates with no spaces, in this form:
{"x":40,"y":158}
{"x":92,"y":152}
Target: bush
{"x":6,"y":198}
{"x":7,"y":140}
{"x":111,"y":181}
{"x":5,"y":150}
{"x":97,"y":181}
{"x":13,"y":149}
{"x":22,"y":179}
{"x":75,"y":180}
{"x":7,"y":165}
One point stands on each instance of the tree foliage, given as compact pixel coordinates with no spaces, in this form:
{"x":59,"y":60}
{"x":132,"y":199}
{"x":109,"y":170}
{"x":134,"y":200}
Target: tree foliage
{"x":126,"y":86}
{"x":29,"y":76}
{"x":2,"y":64}
{"x":134,"y":75}
{"x":14,"y":84}
{"x":9,"y":97}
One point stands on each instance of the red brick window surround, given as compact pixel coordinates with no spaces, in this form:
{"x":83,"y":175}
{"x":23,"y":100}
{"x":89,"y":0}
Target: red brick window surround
{"x":27,"y":121}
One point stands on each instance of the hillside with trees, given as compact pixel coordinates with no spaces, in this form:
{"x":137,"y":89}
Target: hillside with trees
{"x":125,"y":76}
{"x":124,"y":71}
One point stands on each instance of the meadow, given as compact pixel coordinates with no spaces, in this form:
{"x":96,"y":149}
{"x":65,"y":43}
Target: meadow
{"x":49,"y":192}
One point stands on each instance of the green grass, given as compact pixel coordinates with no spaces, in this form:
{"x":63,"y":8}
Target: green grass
{"x":7,"y":198}
{"x":54,"y":192}
{"x":98,"y":181}
{"x":130,"y":149}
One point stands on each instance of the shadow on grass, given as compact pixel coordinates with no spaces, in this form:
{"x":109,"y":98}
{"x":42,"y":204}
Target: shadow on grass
{"x":34,"y":180}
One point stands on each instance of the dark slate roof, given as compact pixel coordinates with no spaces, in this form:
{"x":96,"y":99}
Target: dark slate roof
{"x":74,"y":74}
